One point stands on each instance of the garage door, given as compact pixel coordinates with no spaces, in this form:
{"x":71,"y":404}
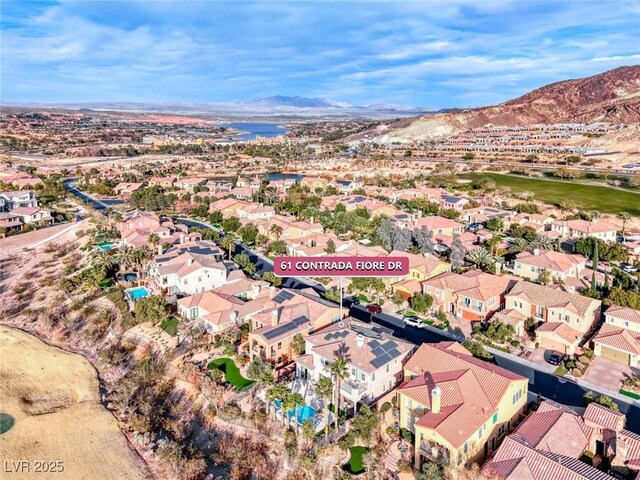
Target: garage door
{"x":616,"y":355}
{"x":550,"y":344}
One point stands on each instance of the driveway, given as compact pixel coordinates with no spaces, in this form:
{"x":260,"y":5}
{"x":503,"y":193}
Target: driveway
{"x":539,"y":357}
{"x":607,"y":373}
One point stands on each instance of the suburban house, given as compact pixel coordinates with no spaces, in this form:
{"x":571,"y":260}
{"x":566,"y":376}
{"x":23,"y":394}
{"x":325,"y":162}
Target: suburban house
{"x":347,"y":186}
{"x":190,"y":268}
{"x":540,"y":223}
{"x":439,"y":225}
{"x":584,"y":228}
{"x":315,"y":245}
{"x":633,"y":248}
{"x":547,"y":446}
{"x":473,"y":295}
{"x":255,"y":211}
{"x":421,"y":268}
{"x":564,"y":317}
{"x":313,"y":182}
{"x":125,"y":190}
{"x":33,"y":215}
{"x":286,"y":315}
{"x":228,"y":207}
{"x":166,"y":182}
{"x":458,"y":407}
{"x":10,"y":222}
{"x":532,"y":265}
{"x":374,"y":359}
{"x":217,"y":311}
{"x":21,"y":198}
{"x":619,"y":336}
{"x":136,"y":227}
{"x":456,"y":203}
{"x":290,"y":228}
{"x":190,"y":183}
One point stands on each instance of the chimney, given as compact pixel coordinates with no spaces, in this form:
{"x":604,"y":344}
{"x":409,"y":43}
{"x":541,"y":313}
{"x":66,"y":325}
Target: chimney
{"x":190,"y":261}
{"x":159,"y":249}
{"x":255,"y":291}
{"x":621,"y":450}
{"x":182,"y":238}
{"x":272,"y":292}
{"x":233,"y":315}
{"x":274,"y":317}
{"x":498,"y":268}
{"x":436,"y":395}
{"x":536,"y":252}
{"x":359,"y":340}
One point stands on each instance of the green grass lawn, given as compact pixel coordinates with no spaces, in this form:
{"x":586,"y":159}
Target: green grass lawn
{"x":560,"y":371}
{"x":231,"y":372}
{"x":635,"y":396}
{"x":355,"y":465}
{"x":362,"y":297}
{"x":586,"y":197}
{"x":170,"y":325}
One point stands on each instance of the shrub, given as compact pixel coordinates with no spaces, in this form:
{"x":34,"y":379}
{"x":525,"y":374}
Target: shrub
{"x":346,"y":442}
{"x":576,"y":372}
{"x":569,"y":364}
{"x":584,"y":359}
{"x":385,"y":407}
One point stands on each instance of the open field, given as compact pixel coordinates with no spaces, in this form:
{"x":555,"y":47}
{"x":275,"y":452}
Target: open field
{"x":54,"y":398}
{"x":586,"y":197}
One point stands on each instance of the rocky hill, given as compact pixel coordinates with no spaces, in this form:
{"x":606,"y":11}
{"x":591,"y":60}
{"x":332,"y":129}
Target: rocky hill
{"x":612,"y":97}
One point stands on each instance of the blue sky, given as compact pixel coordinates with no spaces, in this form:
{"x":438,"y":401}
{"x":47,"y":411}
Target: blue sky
{"x":433,"y":54}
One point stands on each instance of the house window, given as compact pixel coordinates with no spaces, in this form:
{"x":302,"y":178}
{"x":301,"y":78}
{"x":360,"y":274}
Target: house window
{"x":387,"y":368}
{"x":373,"y":377}
{"x":465,"y":448}
{"x":533,"y":269}
{"x":194,"y":312}
{"x":279,"y":345}
{"x":495,"y":418}
{"x":626,"y":324}
{"x":501,"y":431}
{"x":363,"y":377}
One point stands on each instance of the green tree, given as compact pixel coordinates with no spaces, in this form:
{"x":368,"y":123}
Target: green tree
{"x":151,"y":309}
{"x":324,"y":389}
{"x":421,"y":302}
{"x":339,"y":369}
{"x":298,"y":344}
{"x":625,"y":217}
{"x":279,"y":247}
{"x":276,"y":231}
{"x":229,"y":244}
{"x":331,"y":247}
{"x":495,"y":224}
{"x":248,"y":233}
{"x":272,"y":279}
{"x":215,"y":217}
{"x":230,"y":225}
{"x":276,"y":392}
{"x":365,"y":423}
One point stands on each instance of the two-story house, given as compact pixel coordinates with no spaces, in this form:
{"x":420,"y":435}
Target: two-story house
{"x":33,"y":215}
{"x":421,"y":268}
{"x":191,"y":268}
{"x":619,"y":336}
{"x":136,"y":227}
{"x":473,"y":295}
{"x":559,"y":265}
{"x":458,"y":407}
{"x":228,"y":207}
{"x":255,"y":211}
{"x":286,"y":315}
{"x":564,"y":317}
{"x":583,"y":228}
{"x":374,"y":359}
{"x":20,"y":198}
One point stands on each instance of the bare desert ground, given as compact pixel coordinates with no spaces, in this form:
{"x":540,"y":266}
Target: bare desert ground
{"x":54,"y":398}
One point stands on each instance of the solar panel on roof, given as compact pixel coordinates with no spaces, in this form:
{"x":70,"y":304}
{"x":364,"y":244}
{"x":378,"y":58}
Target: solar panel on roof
{"x":283,"y":296}
{"x":389,"y":345}
{"x":286,"y":327}
{"x":380,"y":361}
{"x":374,"y":344}
{"x":394,"y":353}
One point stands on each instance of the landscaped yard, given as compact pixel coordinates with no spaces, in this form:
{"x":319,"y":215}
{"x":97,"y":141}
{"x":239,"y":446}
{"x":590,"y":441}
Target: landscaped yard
{"x":355,"y":465}
{"x":587,"y":197}
{"x":362,"y":297}
{"x":231,"y":372}
{"x":560,"y":371}
{"x":170,"y":325}
{"x":635,"y":396}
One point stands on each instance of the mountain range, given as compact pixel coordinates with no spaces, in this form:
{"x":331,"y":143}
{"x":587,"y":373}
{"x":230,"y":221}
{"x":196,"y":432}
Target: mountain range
{"x":610,"y":97}
{"x":276,"y":106}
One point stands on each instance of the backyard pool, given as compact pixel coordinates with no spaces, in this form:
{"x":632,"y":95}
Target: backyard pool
{"x":106,"y":246}
{"x":304,"y":412}
{"x":136,"y":293}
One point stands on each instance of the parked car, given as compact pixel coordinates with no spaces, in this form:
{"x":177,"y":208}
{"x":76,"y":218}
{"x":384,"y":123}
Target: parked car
{"x":627,"y":268}
{"x":413,"y":321}
{"x":374,"y":308}
{"x":555,"y":358}
{"x":348,"y":301}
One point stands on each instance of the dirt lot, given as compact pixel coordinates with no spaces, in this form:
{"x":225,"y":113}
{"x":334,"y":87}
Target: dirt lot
{"x":53,"y":397}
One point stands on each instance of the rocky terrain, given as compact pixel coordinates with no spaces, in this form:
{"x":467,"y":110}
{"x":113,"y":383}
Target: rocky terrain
{"x":611,"y":97}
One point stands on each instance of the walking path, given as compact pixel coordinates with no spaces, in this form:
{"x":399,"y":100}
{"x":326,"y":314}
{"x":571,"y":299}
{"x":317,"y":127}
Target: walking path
{"x":34,"y":239}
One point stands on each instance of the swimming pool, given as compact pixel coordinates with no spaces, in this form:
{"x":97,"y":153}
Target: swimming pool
{"x":106,"y":246}
{"x":304,"y":412}
{"x":137,"y":293}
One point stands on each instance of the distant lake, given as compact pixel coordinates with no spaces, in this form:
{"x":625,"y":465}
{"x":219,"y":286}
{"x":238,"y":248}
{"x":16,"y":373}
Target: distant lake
{"x":257,"y":129}
{"x":274,"y":176}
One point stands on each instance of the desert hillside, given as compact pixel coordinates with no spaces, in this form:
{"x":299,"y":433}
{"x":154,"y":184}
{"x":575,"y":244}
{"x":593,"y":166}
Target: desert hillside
{"x":610,"y":97}
{"x":54,"y":400}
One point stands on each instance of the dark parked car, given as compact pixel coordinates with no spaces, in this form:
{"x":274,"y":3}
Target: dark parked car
{"x":374,"y":308}
{"x":555,"y":358}
{"x":348,"y":302}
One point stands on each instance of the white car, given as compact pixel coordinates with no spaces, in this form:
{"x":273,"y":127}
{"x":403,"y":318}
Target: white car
{"x":413,"y":321}
{"x":629,"y":268}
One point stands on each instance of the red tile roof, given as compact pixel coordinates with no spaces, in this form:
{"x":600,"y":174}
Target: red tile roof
{"x":603,"y":417}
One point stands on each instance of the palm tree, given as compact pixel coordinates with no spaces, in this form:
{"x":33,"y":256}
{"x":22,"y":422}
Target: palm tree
{"x":594,"y":214}
{"x":493,"y":243}
{"x":541,"y":242}
{"x":625,"y":217}
{"x":154,"y":240}
{"x":298,"y":401}
{"x":324,"y":390}
{"x":102,"y":258}
{"x":340,"y":371}
{"x":140,"y":258}
{"x":288,"y":402}
{"x":250,"y":268}
{"x":124,"y":257}
{"x":228,"y":243}
{"x":518,"y":245}
{"x":480,"y":257}
{"x":273,"y":393}
{"x":276,"y":230}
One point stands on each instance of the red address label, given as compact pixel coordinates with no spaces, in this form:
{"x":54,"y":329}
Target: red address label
{"x":341,"y":266}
